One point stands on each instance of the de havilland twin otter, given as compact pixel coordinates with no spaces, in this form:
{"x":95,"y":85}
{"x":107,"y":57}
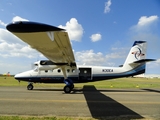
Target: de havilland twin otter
{"x":54,"y":44}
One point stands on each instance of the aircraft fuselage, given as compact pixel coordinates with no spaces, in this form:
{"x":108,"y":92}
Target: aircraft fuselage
{"x":78,"y":74}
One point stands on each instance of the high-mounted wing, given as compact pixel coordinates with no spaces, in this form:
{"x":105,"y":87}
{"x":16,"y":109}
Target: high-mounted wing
{"x":51,"y":41}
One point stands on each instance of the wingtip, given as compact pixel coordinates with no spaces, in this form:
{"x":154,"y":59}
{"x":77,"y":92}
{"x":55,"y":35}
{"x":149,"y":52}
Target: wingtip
{"x":26,"y":26}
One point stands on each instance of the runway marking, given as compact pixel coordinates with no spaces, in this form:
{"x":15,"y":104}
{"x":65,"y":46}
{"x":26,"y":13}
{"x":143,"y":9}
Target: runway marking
{"x":79,"y":101}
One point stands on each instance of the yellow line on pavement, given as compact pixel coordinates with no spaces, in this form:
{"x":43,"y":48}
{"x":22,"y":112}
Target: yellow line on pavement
{"x":78,"y":101}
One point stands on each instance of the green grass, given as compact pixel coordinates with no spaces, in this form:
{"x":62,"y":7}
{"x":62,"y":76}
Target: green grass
{"x":113,"y":83}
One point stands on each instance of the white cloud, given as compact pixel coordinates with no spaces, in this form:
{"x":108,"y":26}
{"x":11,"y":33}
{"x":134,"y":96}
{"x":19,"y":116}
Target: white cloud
{"x":11,"y":46}
{"x":2,"y":23}
{"x":16,"y":50}
{"x":9,"y":37}
{"x":145,"y":24}
{"x":89,"y":57}
{"x":96,"y":37}
{"x":74,"y":29}
{"x":116,"y":55}
{"x":144,"y":20}
{"x":107,"y":6}
{"x":17,"y":18}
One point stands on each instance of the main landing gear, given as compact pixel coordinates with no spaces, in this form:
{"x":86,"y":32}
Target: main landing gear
{"x":69,"y":86}
{"x":30,"y":86}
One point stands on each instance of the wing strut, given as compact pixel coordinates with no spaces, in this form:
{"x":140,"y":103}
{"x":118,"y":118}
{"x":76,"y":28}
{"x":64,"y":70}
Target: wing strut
{"x":64,"y":72}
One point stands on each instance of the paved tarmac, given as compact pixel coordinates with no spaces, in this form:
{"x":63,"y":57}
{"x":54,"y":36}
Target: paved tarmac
{"x":85,"y":102}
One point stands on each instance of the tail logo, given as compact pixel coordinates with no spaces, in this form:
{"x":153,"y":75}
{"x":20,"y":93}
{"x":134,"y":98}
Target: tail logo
{"x":138,"y":53}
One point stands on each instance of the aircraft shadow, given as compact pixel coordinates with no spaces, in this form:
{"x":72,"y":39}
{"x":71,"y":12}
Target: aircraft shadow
{"x":104,"y":107}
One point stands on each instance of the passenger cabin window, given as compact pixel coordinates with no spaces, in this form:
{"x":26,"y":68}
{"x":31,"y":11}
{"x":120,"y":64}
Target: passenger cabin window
{"x":46,"y":71}
{"x":58,"y":70}
{"x":73,"y":70}
{"x":68,"y":70}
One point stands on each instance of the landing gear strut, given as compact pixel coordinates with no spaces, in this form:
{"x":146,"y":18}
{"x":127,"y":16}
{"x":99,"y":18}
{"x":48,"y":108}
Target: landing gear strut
{"x":30,"y":86}
{"x":69,"y":86}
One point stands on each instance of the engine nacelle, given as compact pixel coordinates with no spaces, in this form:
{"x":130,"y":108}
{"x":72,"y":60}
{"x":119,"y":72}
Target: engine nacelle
{"x":48,"y":65}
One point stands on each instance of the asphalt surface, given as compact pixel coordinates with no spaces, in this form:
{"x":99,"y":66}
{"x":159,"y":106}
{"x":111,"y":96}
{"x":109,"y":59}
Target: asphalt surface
{"x":85,"y":102}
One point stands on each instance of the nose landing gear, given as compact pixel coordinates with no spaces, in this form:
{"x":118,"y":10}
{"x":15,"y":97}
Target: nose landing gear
{"x":30,"y":86}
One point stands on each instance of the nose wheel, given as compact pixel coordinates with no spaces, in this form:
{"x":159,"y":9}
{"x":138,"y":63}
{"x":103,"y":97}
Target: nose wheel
{"x":30,"y":87}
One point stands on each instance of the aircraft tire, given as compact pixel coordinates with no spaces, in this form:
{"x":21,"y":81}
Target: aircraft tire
{"x":67,"y":89}
{"x":30,"y":87}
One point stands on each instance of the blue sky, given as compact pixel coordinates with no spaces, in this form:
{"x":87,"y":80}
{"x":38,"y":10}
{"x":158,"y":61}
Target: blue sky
{"x":101,"y":32}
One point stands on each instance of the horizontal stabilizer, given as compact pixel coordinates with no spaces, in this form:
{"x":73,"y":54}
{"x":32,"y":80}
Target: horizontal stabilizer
{"x":144,"y":60}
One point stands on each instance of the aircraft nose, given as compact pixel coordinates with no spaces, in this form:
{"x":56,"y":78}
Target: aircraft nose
{"x":17,"y":76}
{"x":22,"y":76}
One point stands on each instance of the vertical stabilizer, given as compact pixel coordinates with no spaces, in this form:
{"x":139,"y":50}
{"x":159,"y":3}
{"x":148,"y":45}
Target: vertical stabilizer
{"x":137,"y":53}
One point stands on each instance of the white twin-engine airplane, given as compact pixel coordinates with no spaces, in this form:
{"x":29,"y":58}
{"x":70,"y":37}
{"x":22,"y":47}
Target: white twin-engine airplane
{"x":54,"y":44}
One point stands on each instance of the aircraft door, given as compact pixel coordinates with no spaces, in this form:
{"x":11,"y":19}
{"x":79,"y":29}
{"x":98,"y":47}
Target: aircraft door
{"x":85,"y":74}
